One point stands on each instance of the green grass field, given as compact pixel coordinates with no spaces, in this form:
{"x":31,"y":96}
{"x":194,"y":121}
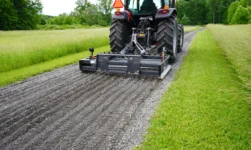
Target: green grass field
{"x":9,"y":77}
{"x":206,"y":106}
{"x":24,"y":48}
{"x":235,"y":41}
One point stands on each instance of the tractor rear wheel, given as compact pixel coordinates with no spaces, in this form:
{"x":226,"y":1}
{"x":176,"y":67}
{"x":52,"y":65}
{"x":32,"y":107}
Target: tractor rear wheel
{"x":180,"y":37}
{"x":167,"y":37}
{"x":118,"y":35}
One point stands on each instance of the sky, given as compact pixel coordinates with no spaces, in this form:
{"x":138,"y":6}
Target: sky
{"x":56,"y":7}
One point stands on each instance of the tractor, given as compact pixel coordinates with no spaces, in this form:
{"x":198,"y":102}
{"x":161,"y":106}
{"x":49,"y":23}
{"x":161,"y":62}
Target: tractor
{"x":145,"y":38}
{"x":154,"y":22}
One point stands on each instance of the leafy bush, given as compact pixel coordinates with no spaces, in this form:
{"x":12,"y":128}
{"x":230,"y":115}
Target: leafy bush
{"x":245,"y":3}
{"x":241,"y":16}
{"x":249,"y":9}
{"x":185,"y":20}
{"x":231,"y":10}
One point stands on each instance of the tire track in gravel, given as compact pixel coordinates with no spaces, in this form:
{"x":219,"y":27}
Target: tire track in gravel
{"x":35,"y":90}
{"x":26,"y":110}
{"x":66,"y":109}
{"x":89,"y":121}
{"x":112,"y":128}
{"x":23,"y":105}
{"x":40,"y":114}
{"x":62,"y":115}
{"x":106,"y":121}
{"x":27,"y":88}
{"x":77,"y":115}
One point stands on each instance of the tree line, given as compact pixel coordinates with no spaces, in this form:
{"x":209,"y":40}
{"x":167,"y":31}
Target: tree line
{"x":19,"y":14}
{"x":27,"y":14}
{"x":85,"y":13}
{"x":199,"y":12}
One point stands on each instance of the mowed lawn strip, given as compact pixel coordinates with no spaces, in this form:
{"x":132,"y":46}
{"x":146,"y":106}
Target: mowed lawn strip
{"x":23,"y":73}
{"x":235,"y":40}
{"x":204,"y":107}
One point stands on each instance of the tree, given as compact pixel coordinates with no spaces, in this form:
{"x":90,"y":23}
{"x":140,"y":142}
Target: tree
{"x":42,"y":20}
{"x":218,"y":10}
{"x":91,"y":14}
{"x":249,"y":9}
{"x":105,"y":7}
{"x":185,"y":20}
{"x":231,"y":11}
{"x":241,"y":16}
{"x":82,"y":5}
{"x":245,"y":3}
{"x":181,"y":8}
{"x":67,"y":20}
{"x":28,"y":13}
{"x":8,"y":17}
{"x":20,"y":14}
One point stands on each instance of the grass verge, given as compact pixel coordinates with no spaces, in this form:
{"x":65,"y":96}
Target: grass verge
{"x":204,"y":107}
{"x":23,"y":73}
{"x":24,"y":48}
{"x":235,"y":41}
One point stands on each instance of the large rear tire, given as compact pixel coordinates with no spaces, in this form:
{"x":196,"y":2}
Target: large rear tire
{"x":180,"y":37}
{"x":167,"y":37}
{"x":118,"y":35}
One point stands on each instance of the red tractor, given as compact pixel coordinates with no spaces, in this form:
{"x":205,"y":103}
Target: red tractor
{"x":144,"y":39}
{"x":153,"y":21}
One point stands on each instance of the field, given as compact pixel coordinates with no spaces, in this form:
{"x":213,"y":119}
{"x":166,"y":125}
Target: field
{"x":206,"y":106}
{"x":24,"y":48}
{"x":32,"y":70}
{"x":235,"y":42}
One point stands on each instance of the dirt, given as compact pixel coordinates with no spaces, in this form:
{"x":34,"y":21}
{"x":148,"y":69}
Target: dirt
{"x":67,"y":109}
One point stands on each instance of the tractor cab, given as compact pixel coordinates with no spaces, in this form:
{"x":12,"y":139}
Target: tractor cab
{"x":143,"y":7}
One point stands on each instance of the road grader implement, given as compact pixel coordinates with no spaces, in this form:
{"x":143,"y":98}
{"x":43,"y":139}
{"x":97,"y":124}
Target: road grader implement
{"x":144,"y":39}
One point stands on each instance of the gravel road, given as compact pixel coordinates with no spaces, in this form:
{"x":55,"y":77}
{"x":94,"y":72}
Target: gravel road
{"x":67,"y":109}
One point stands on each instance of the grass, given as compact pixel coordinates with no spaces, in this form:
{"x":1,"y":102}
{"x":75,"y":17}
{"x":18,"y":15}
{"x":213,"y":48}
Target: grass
{"x":23,"y":73}
{"x":64,"y":27}
{"x":191,"y":28}
{"x":205,"y":107}
{"x":24,"y":48}
{"x":235,"y":40}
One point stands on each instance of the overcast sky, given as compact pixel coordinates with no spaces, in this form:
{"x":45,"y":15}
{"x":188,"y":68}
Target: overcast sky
{"x":56,"y":7}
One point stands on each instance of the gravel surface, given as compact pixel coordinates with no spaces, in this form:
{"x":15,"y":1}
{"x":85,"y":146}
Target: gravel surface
{"x":67,"y":109}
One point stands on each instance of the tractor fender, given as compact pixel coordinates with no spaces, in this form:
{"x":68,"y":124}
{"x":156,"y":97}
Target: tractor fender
{"x":125,"y":15}
{"x":161,"y":15}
